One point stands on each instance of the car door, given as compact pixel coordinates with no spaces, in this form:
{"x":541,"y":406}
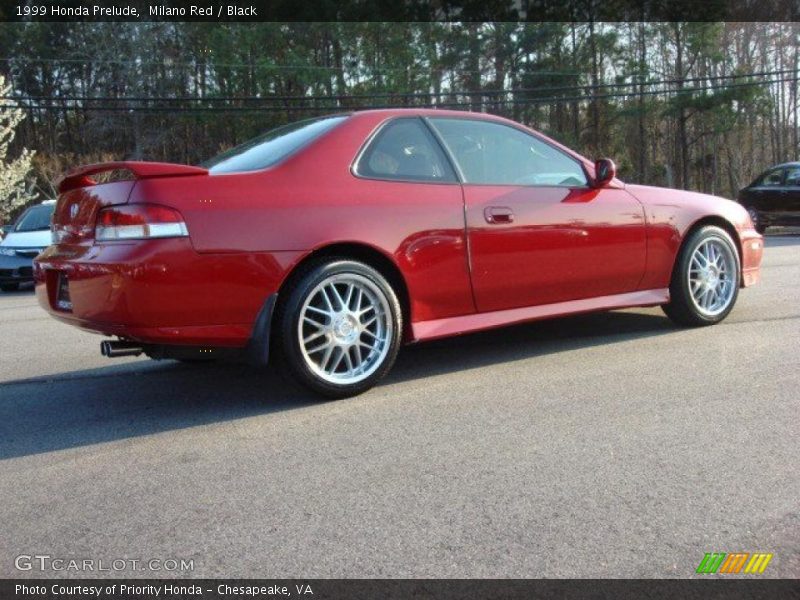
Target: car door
{"x":791,"y":186}
{"x":537,"y":232}
{"x":767,"y":196}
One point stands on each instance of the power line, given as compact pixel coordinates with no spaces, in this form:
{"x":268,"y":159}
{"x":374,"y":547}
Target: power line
{"x":552,"y":99}
{"x":171,"y":63}
{"x":257,"y":65}
{"x":379,"y":95}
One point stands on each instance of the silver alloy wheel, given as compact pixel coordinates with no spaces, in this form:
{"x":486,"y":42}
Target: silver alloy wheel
{"x":712,"y":276}
{"x":345,"y":328}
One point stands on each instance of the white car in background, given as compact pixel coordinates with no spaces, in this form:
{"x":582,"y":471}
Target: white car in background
{"x":23,"y":241}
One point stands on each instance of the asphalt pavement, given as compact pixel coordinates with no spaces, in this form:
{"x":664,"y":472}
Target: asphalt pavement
{"x":606,"y":445}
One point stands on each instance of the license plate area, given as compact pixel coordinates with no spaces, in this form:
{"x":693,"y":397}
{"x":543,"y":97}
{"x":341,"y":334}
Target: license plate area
{"x":63,"y":301}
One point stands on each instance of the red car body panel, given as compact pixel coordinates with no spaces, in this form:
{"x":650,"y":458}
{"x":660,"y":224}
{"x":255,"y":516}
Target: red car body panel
{"x":567,"y":250}
{"x":476,"y":322}
{"x":563,"y":244}
{"x":161,"y":291}
{"x":672,"y":213}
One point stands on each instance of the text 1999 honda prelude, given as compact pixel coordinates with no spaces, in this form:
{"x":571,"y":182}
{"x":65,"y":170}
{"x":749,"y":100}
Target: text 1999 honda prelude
{"x":333,"y":241}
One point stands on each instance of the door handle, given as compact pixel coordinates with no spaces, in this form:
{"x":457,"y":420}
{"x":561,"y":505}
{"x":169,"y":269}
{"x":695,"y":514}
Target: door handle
{"x":498,"y":214}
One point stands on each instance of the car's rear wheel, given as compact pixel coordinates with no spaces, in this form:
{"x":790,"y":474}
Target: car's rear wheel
{"x":9,"y":287}
{"x":339,"y":327}
{"x":755,"y":217}
{"x":705,"y":281}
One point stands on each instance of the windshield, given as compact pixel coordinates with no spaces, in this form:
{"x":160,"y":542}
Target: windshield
{"x":268,"y":149}
{"x":36,"y":218}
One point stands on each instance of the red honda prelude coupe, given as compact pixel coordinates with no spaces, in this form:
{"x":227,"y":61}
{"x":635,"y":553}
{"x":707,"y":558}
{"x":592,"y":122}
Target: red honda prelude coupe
{"x":335,"y":240}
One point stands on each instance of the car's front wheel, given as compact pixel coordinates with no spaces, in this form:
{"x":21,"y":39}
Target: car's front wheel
{"x":339,"y":327}
{"x":705,"y":281}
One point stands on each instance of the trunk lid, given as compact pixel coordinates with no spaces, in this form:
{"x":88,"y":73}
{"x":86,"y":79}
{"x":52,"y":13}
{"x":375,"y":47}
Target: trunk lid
{"x":81,"y":197}
{"x":76,"y":210}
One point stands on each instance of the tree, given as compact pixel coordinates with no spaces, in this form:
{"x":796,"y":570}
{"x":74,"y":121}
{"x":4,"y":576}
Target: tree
{"x":700,"y":105}
{"x":13,"y":192}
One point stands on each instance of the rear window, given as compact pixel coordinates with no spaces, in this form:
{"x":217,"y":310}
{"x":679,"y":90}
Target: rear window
{"x":272,"y":147}
{"x":36,"y":218}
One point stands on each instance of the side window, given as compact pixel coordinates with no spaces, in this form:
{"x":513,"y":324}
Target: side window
{"x":772,"y":179}
{"x":793,"y":176}
{"x":493,"y":153}
{"x":405,"y":150}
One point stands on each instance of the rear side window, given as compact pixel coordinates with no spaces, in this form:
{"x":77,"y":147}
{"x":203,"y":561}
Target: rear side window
{"x":793,"y":176}
{"x":493,"y":153}
{"x":35,"y":219}
{"x":405,"y":150}
{"x":772,"y":179}
{"x":272,"y":147}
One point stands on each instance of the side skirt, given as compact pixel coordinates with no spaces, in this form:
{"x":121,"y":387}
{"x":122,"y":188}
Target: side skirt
{"x":428,"y":330}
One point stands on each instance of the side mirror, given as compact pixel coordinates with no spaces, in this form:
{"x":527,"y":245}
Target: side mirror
{"x":604,"y":171}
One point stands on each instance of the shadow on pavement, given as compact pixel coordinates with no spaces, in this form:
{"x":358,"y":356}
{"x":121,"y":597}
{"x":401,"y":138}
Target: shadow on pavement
{"x":79,"y":408}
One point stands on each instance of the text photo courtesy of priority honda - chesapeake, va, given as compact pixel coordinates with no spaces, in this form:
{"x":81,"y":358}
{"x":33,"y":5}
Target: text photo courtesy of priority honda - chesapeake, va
{"x":425,"y":301}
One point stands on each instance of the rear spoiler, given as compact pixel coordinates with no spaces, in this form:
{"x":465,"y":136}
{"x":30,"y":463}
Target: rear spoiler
{"x":141,"y":170}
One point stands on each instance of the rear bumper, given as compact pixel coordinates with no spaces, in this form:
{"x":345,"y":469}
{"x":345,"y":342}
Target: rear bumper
{"x":160,"y":291}
{"x":752,"y":253}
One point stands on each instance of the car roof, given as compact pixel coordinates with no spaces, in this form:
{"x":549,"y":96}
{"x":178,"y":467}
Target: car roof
{"x":40,"y":205}
{"x":429,"y":112}
{"x":786,"y":164}
{"x":45,"y":203}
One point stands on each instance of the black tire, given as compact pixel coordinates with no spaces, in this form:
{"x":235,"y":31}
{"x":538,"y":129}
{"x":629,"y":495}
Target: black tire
{"x":287,"y":323}
{"x":682,"y":308}
{"x":757,"y":219}
{"x":9,"y":287}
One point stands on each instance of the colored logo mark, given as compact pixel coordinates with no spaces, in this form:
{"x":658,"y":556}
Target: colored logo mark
{"x":735,"y":562}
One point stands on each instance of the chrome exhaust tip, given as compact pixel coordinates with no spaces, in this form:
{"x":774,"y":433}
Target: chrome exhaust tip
{"x":117,"y":349}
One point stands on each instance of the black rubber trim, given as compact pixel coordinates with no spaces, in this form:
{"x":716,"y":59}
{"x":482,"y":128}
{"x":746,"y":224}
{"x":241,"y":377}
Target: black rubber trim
{"x":257,"y":350}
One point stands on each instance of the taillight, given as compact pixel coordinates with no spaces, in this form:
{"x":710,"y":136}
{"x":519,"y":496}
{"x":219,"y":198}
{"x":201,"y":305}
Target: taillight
{"x":139,"y":221}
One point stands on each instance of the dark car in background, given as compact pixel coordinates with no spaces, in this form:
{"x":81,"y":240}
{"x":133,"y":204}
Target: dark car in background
{"x":774,"y":197}
{"x":23,"y":241}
